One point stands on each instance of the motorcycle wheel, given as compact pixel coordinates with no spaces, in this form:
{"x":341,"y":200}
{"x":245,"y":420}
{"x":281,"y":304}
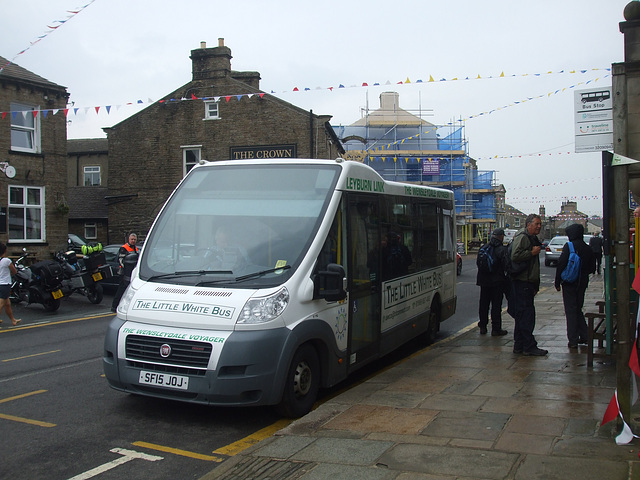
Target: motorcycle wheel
{"x":51,"y":304}
{"x":95,"y":293}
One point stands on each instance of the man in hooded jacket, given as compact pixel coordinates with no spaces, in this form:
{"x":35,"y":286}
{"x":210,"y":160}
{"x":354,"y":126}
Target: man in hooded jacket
{"x":493,"y":286}
{"x":573,"y":293}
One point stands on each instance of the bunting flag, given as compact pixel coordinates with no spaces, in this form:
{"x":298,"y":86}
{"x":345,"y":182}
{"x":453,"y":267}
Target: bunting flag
{"x":51,"y":28}
{"x":613,"y":410}
{"x":452,"y":79}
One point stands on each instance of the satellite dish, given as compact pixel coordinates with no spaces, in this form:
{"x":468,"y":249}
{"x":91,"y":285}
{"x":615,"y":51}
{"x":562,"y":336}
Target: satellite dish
{"x":10,"y":171}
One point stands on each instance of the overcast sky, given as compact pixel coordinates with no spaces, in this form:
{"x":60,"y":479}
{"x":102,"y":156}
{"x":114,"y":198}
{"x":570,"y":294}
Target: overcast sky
{"x":116,"y":52}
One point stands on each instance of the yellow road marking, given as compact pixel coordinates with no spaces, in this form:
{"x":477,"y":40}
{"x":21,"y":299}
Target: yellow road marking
{"x":28,"y":356}
{"x":177,"y":451}
{"x":27,"y":420}
{"x":60,"y":322}
{"x":17,"y":397}
{"x":24,"y":420}
{"x":244,"y":443}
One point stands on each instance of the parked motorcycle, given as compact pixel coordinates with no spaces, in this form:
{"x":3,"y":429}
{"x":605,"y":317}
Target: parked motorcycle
{"x":39,"y":283}
{"x":83,"y":276}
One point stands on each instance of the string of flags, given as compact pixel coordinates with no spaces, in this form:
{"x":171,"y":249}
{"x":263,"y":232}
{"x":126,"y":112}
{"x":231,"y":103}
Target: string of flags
{"x":554,"y":184}
{"x":51,"y":28}
{"x":452,"y":79}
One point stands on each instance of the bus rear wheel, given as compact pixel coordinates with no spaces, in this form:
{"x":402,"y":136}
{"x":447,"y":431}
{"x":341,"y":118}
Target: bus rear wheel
{"x":302,"y":383}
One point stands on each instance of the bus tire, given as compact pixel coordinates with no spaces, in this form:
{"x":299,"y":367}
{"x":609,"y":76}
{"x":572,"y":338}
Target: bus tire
{"x":434,"y":323}
{"x":302,"y":383}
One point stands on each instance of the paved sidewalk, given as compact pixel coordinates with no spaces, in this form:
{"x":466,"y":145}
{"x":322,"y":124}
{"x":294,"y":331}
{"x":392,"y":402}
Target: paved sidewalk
{"x":465,"y":408}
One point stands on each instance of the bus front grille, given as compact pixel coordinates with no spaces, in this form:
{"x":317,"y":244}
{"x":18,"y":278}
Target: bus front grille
{"x":184,"y":353}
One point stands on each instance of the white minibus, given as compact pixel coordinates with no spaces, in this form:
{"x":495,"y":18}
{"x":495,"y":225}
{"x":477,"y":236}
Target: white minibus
{"x":261,"y":282}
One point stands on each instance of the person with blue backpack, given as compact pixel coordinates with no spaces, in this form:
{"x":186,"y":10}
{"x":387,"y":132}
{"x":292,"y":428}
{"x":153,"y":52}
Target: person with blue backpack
{"x":493,"y":283}
{"x":572,"y":276}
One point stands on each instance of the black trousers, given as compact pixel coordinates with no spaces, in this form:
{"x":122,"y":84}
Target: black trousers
{"x":598,"y":262}
{"x":573,"y":299}
{"x":491,"y":299}
{"x":121,"y":288}
{"x":524,"y":312}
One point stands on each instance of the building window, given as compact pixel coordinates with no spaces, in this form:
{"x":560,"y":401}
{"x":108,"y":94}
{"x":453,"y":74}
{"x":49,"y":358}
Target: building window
{"x":190,"y":157}
{"x":26,"y":213}
{"x":90,"y":231}
{"x":211,"y":111}
{"x":25,"y":128}
{"x":92,"y":176}
{"x":517,"y":222}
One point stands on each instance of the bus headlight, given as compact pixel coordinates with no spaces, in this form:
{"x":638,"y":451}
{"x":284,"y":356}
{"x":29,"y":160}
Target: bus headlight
{"x":265,"y":309}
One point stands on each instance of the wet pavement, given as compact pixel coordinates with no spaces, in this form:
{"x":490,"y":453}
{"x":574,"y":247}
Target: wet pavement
{"x":464,"y":408}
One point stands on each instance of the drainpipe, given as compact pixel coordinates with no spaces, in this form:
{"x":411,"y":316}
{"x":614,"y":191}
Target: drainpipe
{"x":311,"y":134}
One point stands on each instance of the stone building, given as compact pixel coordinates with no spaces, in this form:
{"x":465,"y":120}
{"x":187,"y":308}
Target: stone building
{"x":33,"y":163}
{"x":220,"y":114}
{"x":87,"y":178}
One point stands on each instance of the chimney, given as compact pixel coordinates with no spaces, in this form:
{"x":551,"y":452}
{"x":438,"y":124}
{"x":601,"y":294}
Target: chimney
{"x":390,"y":101}
{"x":210,"y":62}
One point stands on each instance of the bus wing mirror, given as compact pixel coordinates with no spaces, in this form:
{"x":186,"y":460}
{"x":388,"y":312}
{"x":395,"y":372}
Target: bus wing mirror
{"x":330,"y":283}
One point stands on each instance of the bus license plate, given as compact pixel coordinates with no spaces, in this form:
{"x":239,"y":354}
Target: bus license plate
{"x":57,"y":294}
{"x":97,"y":277}
{"x":164,"y":380}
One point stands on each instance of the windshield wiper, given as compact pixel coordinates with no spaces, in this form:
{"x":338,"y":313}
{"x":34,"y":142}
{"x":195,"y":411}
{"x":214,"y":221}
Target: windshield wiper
{"x":262,"y":272}
{"x":186,"y":273}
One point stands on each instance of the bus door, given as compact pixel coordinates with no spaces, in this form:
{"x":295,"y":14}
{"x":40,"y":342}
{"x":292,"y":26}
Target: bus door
{"x":363,"y":247}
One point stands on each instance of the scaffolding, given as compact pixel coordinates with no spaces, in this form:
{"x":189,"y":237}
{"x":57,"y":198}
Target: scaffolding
{"x":401,"y":146}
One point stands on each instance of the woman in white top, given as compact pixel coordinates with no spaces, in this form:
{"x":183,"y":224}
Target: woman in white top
{"x":6,"y":270}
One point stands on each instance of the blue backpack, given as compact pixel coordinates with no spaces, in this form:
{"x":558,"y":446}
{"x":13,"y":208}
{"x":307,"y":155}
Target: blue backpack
{"x":486,"y":258}
{"x":571,"y":273}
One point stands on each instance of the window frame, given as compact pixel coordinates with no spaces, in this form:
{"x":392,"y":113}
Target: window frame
{"x":41,"y":207}
{"x":84,"y":175}
{"x":208,"y":113}
{"x":26,"y":111}
{"x":190,"y":164}
{"x":90,"y":225}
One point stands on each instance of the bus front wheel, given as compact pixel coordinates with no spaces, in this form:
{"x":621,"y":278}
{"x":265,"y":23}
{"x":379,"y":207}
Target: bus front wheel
{"x":434,"y":323}
{"x":302,"y":383}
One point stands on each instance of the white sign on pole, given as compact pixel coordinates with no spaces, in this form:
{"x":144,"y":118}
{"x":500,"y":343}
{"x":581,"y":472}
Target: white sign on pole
{"x":594,"y":119}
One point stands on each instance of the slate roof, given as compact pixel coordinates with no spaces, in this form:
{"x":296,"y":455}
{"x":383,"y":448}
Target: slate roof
{"x":87,"y":203}
{"x":87,"y":146}
{"x":16,"y":72}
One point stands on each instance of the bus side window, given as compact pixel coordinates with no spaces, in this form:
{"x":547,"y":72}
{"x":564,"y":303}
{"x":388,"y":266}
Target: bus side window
{"x":329,"y":252}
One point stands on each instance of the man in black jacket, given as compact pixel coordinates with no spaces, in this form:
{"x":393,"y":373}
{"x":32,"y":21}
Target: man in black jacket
{"x":492,"y":286}
{"x":573,"y":293}
{"x":596,"y":245}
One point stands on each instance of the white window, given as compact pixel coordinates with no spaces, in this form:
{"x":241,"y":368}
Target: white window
{"x":25,"y":128}
{"x":211,"y":111}
{"x":517,"y":222}
{"x":92,"y":176}
{"x":90,"y":231}
{"x":190,"y":157}
{"x":26,"y":213}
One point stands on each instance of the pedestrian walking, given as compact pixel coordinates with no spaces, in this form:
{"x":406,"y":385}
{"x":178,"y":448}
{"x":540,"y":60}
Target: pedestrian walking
{"x":596,"y":243}
{"x":492,"y":282}
{"x":525,"y":285}
{"x":573,"y":292}
{"x":125,"y":268}
{"x":7,"y":268}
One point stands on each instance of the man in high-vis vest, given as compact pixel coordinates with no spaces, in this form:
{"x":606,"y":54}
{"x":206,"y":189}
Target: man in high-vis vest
{"x":125,"y":268}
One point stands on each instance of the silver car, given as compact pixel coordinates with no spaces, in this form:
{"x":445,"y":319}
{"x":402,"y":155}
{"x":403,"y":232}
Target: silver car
{"x":554,"y":248}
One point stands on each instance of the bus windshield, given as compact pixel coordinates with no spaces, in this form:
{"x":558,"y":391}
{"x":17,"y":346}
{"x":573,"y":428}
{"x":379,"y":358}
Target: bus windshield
{"x":243,"y":225}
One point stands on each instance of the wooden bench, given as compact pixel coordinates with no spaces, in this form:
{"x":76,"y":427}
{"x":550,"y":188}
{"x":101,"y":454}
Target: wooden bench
{"x":597,"y":329}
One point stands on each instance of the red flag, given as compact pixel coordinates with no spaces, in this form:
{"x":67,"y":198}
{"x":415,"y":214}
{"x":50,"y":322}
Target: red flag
{"x":636,"y":283}
{"x":613,"y":410}
{"x":633,"y":360}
